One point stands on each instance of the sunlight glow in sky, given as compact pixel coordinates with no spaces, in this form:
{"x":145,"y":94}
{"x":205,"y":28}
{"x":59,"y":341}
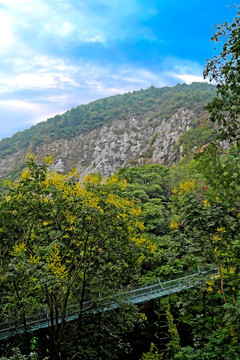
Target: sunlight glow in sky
{"x":55,"y":55}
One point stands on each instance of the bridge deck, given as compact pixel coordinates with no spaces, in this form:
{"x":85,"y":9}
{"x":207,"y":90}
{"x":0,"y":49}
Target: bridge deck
{"x":136,"y":296}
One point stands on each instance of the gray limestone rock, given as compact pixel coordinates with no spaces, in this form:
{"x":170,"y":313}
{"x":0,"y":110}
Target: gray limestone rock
{"x":132,"y":141}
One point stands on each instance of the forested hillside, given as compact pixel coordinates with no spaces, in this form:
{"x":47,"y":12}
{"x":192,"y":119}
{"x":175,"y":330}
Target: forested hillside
{"x":157,"y":102}
{"x":147,"y":126}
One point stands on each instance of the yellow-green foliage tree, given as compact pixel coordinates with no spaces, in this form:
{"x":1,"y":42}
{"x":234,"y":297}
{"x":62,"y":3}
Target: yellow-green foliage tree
{"x":66,"y":241}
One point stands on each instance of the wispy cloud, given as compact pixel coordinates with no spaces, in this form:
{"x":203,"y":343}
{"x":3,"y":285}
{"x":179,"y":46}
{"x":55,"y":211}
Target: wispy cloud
{"x":48,"y":77}
{"x":189,"y":78}
{"x":64,"y":30}
{"x":16,"y":104}
{"x":6,"y":36}
{"x":40,"y":72}
{"x":35,"y":81}
{"x":62,"y":53}
{"x":184,"y":70}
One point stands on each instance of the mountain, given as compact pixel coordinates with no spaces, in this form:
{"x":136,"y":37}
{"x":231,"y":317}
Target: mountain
{"x":156,"y":125}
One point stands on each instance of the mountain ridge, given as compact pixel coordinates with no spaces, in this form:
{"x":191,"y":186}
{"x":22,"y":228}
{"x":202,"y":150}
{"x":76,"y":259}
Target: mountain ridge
{"x":135,"y":128}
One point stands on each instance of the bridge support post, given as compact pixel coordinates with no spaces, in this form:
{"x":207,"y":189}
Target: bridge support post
{"x":160,"y":327}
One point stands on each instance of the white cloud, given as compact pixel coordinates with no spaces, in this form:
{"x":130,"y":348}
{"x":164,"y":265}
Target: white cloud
{"x":14,"y":2}
{"x":139,"y":77}
{"x":33,"y":112}
{"x":30,"y":81}
{"x":92,"y":38}
{"x":58,"y":28}
{"x":35,"y":81}
{"x":66,"y":29}
{"x":53,"y":73}
{"x":26,"y":6}
{"x":185,"y":70}
{"x":64,"y":98}
{"x":15,"y":104}
{"x":6,"y":35}
{"x":38,"y":72}
{"x":188,"y":78}
{"x":46,"y":63}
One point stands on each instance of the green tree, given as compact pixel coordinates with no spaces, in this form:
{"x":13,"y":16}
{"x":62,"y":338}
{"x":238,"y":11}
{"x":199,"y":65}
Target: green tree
{"x":68,"y":242}
{"x":148,"y":185}
{"x":224,"y":69}
{"x":153,"y":354}
{"x":106,"y":335}
{"x":208,"y":214}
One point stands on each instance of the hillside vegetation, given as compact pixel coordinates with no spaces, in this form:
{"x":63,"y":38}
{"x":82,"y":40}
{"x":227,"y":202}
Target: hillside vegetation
{"x":66,"y":242}
{"x":155,"y":102}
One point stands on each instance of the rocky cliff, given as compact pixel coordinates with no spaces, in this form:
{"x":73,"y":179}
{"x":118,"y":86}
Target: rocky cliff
{"x":133,"y":141}
{"x":137,"y":139}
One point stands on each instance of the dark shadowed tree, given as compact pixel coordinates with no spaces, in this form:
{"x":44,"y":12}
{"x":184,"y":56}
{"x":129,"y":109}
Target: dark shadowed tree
{"x":224,"y":69}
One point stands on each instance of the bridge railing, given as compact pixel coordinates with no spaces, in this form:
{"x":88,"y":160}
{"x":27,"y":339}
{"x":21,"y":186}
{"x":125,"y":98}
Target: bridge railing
{"x":181,"y":283}
{"x":142,"y":294}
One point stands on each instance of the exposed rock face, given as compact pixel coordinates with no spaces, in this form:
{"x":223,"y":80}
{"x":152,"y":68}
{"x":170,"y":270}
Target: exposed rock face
{"x":133,"y":141}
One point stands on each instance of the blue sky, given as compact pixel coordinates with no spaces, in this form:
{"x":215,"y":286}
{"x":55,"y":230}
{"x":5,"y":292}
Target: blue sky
{"x":57,"y":54}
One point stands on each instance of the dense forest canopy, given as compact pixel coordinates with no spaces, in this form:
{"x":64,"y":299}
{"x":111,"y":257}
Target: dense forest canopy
{"x":65,"y":241}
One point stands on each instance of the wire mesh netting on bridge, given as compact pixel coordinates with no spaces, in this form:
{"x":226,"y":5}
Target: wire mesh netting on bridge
{"x":136,"y":296}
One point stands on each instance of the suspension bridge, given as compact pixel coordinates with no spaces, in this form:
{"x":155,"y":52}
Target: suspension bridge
{"x":137,"y":296}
